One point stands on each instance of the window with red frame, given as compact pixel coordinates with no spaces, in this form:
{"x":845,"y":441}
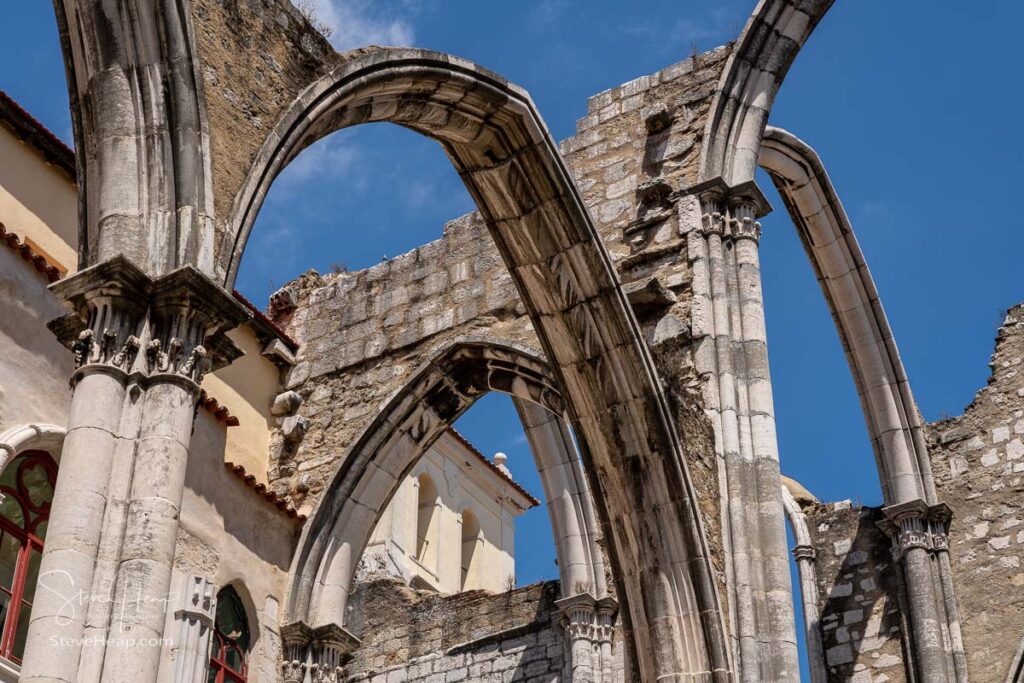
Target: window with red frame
{"x":230,"y":640}
{"x":27,"y":488}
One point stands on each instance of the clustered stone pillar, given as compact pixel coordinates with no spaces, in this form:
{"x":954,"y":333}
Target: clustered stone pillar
{"x":806,"y":560}
{"x":316,"y":655}
{"x":195,"y":623}
{"x":920,"y":545}
{"x":141,"y":348}
{"x":589,"y":628}
{"x":732,"y":358}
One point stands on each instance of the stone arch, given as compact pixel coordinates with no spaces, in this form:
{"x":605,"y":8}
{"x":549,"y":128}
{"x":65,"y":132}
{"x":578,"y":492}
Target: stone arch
{"x":894,"y":422}
{"x":428,"y":518}
{"x":38,"y":437}
{"x":762,"y":55}
{"x":470,"y":538}
{"x":803,"y":551}
{"x":567,"y":495}
{"x":441,"y":390}
{"x":498,"y":143}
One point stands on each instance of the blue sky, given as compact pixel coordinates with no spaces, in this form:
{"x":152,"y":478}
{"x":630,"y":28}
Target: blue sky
{"x":911,"y":105}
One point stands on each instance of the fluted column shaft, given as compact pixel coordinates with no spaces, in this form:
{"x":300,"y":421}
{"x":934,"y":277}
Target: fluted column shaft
{"x":140,"y":345}
{"x":729,"y":309}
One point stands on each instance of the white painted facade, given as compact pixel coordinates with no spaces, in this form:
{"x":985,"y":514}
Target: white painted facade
{"x":451,"y":525}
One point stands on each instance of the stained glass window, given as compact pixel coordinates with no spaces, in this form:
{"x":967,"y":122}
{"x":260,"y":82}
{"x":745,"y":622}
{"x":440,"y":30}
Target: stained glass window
{"x":26,"y":485}
{"x":230,"y":640}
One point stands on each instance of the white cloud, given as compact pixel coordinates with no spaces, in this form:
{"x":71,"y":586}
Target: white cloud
{"x":546,"y":14}
{"x":357,"y":23}
{"x":332,"y":157}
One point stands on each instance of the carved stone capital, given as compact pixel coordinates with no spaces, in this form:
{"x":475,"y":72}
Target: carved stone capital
{"x":607,"y":610}
{"x":915,"y":524}
{"x":108,"y":303}
{"x":323,"y":651}
{"x":123,"y":319}
{"x":296,"y":638}
{"x":187,"y":312}
{"x":579,"y":619}
{"x":742,"y":224}
{"x":586,"y":617}
{"x":731,"y":211}
{"x":804,"y":552}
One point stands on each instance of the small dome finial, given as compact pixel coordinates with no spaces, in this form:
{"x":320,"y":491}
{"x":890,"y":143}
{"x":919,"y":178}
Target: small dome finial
{"x":499,"y":461}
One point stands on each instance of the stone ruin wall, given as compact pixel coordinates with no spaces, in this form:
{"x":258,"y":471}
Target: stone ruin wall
{"x":473,"y":636}
{"x":363,"y":333}
{"x":257,"y":56}
{"x":978,"y":464}
{"x":861,"y":623}
{"x":978,"y":461}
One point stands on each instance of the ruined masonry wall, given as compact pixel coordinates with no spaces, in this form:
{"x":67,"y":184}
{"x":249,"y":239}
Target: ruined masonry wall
{"x":978,"y":461}
{"x":511,"y":636}
{"x":860,"y":616}
{"x":978,"y":464}
{"x":256,"y":56}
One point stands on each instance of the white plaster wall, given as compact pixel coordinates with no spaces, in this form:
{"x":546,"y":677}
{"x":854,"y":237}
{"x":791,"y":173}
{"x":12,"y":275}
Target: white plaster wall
{"x":234,"y":537}
{"x":462,"y":482}
{"x":35,"y":369}
{"x":38,"y":201}
{"x":248,"y":388}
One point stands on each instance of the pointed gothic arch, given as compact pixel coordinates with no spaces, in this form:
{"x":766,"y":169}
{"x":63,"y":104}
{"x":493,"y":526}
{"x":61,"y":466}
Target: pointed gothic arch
{"x":505,"y":156}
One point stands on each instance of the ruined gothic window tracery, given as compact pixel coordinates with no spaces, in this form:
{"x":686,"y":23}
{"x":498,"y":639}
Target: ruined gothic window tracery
{"x":230,"y":651}
{"x":27,"y":489}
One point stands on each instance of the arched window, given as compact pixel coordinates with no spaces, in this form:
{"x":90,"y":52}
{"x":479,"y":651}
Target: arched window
{"x":471,"y":541}
{"x":27,"y":489}
{"x":230,"y":640}
{"x":427,"y":521}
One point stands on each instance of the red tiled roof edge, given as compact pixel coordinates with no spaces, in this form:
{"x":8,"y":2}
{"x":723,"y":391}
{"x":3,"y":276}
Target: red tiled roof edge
{"x":494,"y":468}
{"x":28,"y":128}
{"x":42,"y":264}
{"x":262,"y":317}
{"x":268,"y":495}
{"x":219,"y":411}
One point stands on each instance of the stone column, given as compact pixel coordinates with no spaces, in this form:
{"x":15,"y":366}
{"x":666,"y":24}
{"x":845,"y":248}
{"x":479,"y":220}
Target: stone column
{"x":589,"y":628}
{"x":195,"y":623}
{"x":316,"y":655}
{"x":732,"y":359}
{"x":109,"y":303}
{"x":758,"y":419}
{"x":578,"y":616}
{"x":113,"y":529}
{"x":186,"y":310}
{"x":805,"y":563}
{"x":607,"y":610}
{"x":938,"y":522}
{"x":915,"y":538}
